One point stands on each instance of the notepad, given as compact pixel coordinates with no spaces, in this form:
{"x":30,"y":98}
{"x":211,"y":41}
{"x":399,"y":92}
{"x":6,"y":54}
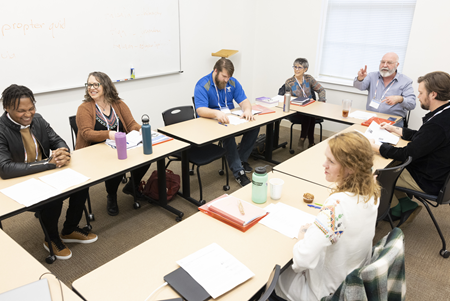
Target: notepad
{"x":228,"y":207}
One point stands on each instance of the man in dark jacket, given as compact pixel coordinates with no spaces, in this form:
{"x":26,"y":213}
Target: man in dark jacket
{"x":429,"y":146}
{"x":29,"y":145}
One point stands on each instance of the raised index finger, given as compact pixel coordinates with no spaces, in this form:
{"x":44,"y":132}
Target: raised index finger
{"x":365,"y":68}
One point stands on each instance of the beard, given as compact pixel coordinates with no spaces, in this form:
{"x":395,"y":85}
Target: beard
{"x":385,"y":72}
{"x":220,"y":85}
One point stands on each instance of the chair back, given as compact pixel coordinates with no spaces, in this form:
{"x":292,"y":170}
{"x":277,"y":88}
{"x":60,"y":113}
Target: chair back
{"x":387,"y":178}
{"x":270,"y":286}
{"x":444,"y":193}
{"x":195,"y":109}
{"x":406,"y":119}
{"x":74,"y":129}
{"x":178,"y":114}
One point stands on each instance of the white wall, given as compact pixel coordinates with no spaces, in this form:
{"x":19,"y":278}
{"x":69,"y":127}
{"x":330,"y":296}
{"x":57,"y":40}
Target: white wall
{"x":269,"y":36}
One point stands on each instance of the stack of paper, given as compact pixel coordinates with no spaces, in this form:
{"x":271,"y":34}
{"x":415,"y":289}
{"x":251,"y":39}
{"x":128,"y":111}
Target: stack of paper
{"x":33,"y":191}
{"x":234,"y":120}
{"x":374,"y":131}
{"x":361,"y":115}
{"x":267,"y":100}
{"x":231,"y":208}
{"x":286,"y":219}
{"x":216,"y":270}
{"x":240,"y":112}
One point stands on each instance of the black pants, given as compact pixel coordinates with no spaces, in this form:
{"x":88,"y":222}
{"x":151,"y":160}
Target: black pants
{"x":50,"y":214}
{"x":308,"y":124}
{"x":113,"y":184}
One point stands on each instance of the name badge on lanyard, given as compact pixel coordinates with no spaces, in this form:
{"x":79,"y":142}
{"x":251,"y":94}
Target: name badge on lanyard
{"x":375,"y":103}
{"x":225,"y":110}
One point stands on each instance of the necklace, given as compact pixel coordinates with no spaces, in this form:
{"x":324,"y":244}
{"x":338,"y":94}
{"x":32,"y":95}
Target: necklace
{"x":103,"y":108}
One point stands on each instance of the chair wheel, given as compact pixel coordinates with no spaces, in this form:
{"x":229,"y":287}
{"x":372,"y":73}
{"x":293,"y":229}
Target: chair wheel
{"x":136,"y":205}
{"x":291,"y":151}
{"x":91,"y":217}
{"x":87,"y":228}
{"x":178,"y":219}
{"x":202,"y":202}
{"x":444,"y":253}
{"x":50,"y":259}
{"x":284,"y":146}
{"x":191,"y":172}
{"x":221,"y":172}
{"x":226,"y":187}
{"x":124,"y":180}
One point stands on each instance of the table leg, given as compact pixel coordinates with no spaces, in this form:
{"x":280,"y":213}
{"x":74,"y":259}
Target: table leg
{"x":186,"y":181}
{"x":162,"y":190}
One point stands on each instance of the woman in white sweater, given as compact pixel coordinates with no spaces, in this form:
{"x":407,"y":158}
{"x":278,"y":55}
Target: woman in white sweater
{"x":340,"y":239}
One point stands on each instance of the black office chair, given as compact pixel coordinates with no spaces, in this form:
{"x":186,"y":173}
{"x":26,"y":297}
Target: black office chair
{"x":318,"y":121}
{"x":198,"y":156}
{"x":443,"y":197}
{"x":406,"y":119}
{"x":387,"y":178}
{"x":264,"y":293}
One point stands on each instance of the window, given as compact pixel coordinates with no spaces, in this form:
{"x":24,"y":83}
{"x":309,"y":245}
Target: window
{"x":359,"y":32}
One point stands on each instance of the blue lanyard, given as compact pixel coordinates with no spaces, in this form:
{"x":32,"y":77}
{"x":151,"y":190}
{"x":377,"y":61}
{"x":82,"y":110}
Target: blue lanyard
{"x":301,"y":85}
{"x":218,"y":98}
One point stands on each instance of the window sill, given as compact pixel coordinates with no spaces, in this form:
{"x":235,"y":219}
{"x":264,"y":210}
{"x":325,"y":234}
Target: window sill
{"x":343,"y":85}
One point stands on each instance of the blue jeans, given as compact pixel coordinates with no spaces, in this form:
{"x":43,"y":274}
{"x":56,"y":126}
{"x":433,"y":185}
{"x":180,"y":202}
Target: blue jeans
{"x":235,"y":157}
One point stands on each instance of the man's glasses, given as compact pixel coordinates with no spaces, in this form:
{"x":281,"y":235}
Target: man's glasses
{"x":297,"y":67}
{"x":94,"y":85}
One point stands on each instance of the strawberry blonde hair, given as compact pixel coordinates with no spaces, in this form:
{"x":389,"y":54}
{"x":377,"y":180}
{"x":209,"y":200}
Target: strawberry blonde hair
{"x":353,"y":151}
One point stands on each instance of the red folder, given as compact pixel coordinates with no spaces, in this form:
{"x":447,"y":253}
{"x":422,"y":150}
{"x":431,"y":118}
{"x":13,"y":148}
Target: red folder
{"x":377,"y":120}
{"x":263,"y":109}
{"x":218,"y":214}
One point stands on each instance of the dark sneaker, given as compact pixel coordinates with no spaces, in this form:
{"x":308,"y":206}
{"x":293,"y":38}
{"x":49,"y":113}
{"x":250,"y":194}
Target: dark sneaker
{"x":79,"y":236}
{"x":60,"y":250}
{"x":247,"y":167}
{"x":408,"y":216}
{"x":111,"y":205}
{"x":127,"y":189}
{"x":242,"y":179}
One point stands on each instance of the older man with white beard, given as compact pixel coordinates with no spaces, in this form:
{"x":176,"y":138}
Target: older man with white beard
{"x":390,"y":92}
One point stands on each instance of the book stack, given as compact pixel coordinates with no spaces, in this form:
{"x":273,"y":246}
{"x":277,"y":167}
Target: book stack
{"x":300,"y":100}
{"x":266,"y":101}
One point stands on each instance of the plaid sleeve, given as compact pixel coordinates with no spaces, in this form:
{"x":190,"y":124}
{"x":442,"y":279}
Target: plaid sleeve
{"x":329,"y":221}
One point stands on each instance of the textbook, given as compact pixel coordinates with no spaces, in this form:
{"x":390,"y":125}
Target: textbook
{"x":134,"y":139}
{"x":227,"y":209}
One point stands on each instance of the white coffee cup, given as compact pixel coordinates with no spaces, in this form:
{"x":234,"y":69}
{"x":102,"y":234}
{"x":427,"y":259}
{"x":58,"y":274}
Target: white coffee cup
{"x":276,"y":186}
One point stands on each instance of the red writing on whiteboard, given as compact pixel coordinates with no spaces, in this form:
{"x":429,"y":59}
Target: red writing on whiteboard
{"x":7,"y":55}
{"x":24,"y":27}
{"x":58,"y":25}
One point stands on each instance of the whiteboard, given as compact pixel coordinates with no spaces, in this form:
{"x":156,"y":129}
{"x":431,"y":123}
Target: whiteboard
{"x":50,"y":45}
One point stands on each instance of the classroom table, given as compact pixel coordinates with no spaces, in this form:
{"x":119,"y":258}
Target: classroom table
{"x":333,"y":112}
{"x":137,"y":273}
{"x":307,"y":165}
{"x":20,"y":268}
{"x":99,"y":162}
{"x":202,"y":131}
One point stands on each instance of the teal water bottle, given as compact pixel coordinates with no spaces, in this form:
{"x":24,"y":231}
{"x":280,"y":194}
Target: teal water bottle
{"x":259,"y":185}
{"x":146,"y":135}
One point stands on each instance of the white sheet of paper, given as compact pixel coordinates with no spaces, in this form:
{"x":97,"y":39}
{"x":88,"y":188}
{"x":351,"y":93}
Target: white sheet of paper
{"x":64,"y":179}
{"x":362,"y":115}
{"x":30,"y":192}
{"x":234,"y":120}
{"x":240,"y":112}
{"x":374,"y":131}
{"x":216,"y":270}
{"x":286,"y":219}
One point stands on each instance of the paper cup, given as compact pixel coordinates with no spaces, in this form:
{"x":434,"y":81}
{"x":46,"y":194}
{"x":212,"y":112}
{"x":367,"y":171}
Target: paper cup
{"x":276,"y":186}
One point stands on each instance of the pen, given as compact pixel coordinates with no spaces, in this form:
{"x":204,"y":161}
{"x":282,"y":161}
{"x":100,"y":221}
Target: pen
{"x":241,"y":208}
{"x":317,"y":207}
{"x":318,"y":204}
{"x":222,"y":123}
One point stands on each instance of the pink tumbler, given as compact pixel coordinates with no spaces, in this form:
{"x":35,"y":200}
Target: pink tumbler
{"x":121,"y":145}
